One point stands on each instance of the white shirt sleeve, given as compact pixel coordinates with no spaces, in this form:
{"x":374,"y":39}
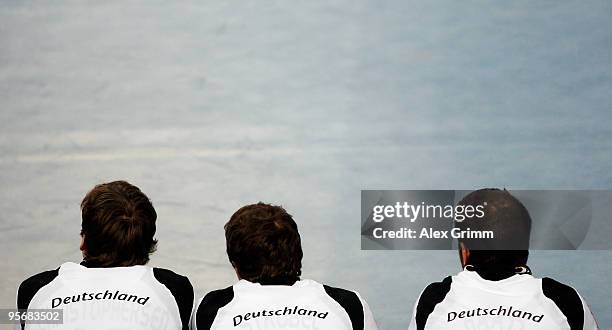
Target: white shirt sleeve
{"x":368,"y":318}
{"x":192,"y":322}
{"x":589,"y":320}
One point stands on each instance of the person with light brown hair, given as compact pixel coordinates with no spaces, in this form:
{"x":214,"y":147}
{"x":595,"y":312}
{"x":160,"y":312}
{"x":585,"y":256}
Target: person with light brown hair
{"x":112,"y":288}
{"x":117,"y":227}
{"x":264,"y":247}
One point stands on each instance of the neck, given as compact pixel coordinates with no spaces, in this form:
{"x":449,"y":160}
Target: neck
{"x":498,"y":272}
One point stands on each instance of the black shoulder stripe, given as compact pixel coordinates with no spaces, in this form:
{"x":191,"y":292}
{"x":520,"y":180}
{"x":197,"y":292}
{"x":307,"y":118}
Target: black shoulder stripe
{"x":181,"y":289}
{"x":432,"y":295}
{"x":350,"y":302}
{"x":567,"y":300}
{"x":210,"y":305}
{"x":31,"y":286}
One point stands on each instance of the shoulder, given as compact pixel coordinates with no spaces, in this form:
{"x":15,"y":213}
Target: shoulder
{"x":181,"y":289}
{"x":342,"y":295}
{"x":553,"y":288}
{"x":218,"y":298}
{"x":179,"y":285}
{"x":437,"y":289}
{"x":170,"y":278}
{"x":566,"y":299}
{"x":350,"y":301}
{"x":29,"y":287}
{"x":209,"y":305}
{"x":433,"y":294}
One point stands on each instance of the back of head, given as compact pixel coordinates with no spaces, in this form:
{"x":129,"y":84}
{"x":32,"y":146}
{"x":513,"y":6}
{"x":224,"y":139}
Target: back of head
{"x":263,"y":244}
{"x":118,"y":225}
{"x":510,"y":222}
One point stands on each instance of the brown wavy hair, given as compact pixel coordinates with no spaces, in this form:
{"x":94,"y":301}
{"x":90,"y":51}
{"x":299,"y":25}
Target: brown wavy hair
{"x":263,"y":244}
{"x":118,"y":225}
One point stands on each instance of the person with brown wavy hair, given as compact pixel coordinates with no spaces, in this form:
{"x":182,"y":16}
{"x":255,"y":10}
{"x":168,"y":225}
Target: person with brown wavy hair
{"x":112,"y":288}
{"x":118,"y":226}
{"x":264,"y":247}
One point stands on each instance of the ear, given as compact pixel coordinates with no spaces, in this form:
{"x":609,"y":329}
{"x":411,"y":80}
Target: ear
{"x":83,"y":247}
{"x":464,"y":254}
{"x":236,"y":270}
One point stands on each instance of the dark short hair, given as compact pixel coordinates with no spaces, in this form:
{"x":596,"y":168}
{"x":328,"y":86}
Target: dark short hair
{"x":508,"y":218}
{"x":263,"y":244}
{"x":118,"y":224}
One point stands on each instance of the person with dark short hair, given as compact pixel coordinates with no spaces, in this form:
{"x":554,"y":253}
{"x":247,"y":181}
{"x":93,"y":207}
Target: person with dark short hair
{"x":264,"y":247}
{"x":112,"y":288}
{"x":496,"y":290}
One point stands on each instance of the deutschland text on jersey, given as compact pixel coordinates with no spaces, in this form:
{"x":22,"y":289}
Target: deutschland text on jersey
{"x":467,"y":301}
{"x":303,"y":305}
{"x":136,"y":297}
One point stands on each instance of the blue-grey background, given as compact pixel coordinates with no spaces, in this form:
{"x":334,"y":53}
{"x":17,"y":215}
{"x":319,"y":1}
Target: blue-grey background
{"x":208,"y":105}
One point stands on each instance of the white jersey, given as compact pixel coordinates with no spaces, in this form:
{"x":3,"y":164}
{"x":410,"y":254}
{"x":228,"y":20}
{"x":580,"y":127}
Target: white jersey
{"x":136,"y":297}
{"x":467,"y":301}
{"x":304,"y":305}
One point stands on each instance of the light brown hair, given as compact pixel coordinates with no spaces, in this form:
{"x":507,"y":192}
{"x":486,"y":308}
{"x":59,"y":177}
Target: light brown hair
{"x":118,"y":225}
